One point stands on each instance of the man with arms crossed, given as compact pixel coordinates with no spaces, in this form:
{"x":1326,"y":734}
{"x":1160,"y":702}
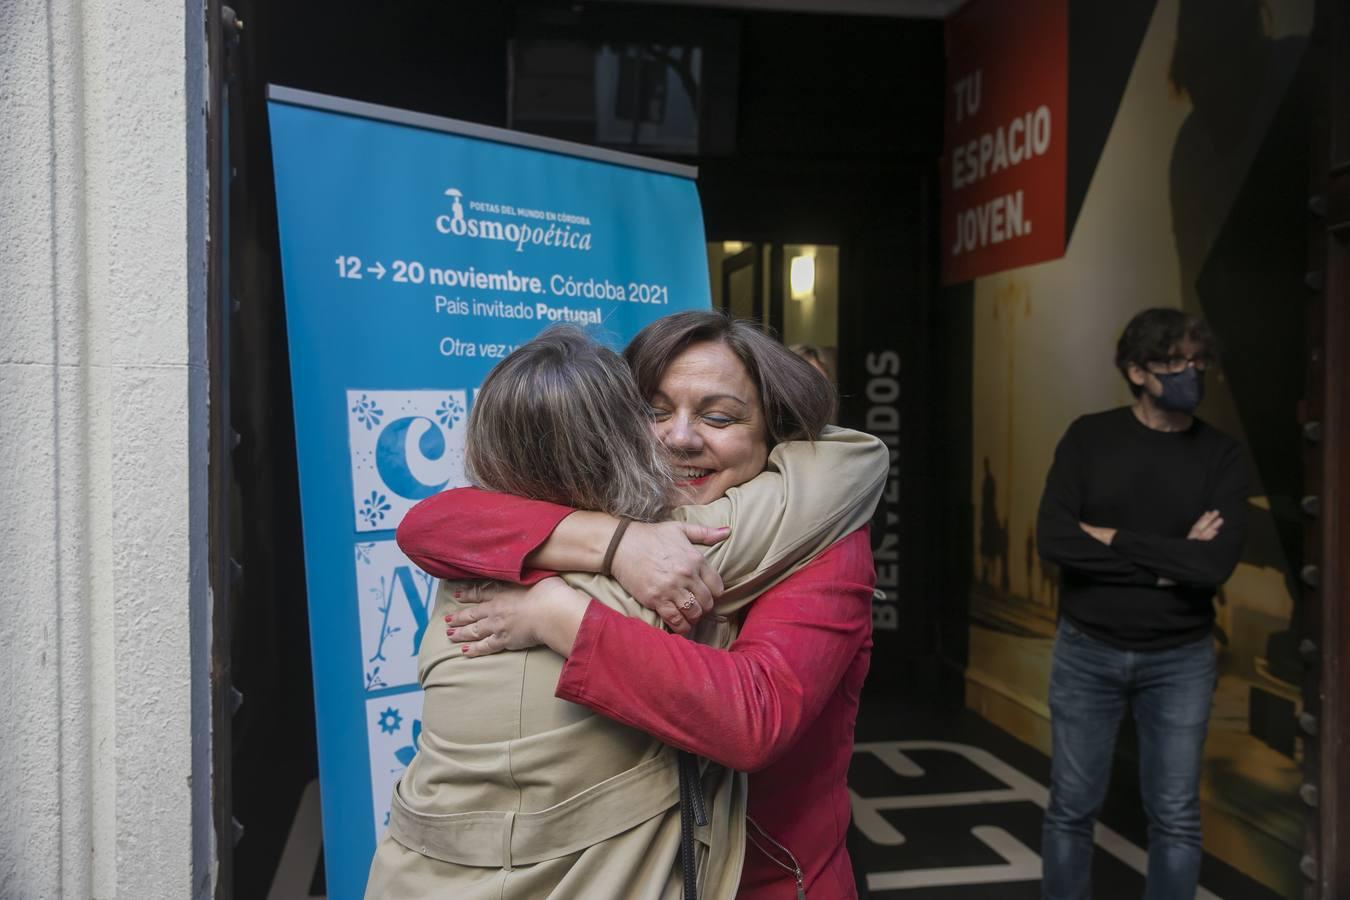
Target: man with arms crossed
{"x":1144,"y":513}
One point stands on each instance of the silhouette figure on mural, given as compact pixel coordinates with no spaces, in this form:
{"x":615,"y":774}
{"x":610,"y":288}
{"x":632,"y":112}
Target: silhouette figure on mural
{"x":1239,"y":169}
{"x":1005,"y":580}
{"x":1031,"y":563}
{"x":993,"y":533}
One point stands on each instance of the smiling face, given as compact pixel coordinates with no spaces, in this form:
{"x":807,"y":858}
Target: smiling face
{"x":706,"y":411}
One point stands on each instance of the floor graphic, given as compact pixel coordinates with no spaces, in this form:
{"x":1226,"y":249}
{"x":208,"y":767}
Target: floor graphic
{"x":946,"y":806}
{"x":956,"y":815}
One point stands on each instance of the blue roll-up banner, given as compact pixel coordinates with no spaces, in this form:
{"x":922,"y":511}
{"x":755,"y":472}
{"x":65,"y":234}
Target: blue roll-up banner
{"x":416,"y":253}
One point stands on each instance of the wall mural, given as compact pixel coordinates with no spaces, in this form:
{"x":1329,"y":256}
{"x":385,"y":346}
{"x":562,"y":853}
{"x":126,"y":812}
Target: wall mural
{"x":1191,"y":196}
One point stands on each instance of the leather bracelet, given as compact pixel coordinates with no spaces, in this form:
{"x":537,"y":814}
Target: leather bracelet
{"x":614,"y":546}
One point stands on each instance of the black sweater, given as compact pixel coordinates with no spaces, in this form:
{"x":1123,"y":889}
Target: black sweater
{"x":1113,"y":471}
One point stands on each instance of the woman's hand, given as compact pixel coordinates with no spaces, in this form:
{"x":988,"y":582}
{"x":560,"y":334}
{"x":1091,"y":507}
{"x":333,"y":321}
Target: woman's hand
{"x":659,"y":566}
{"x":511,"y":617}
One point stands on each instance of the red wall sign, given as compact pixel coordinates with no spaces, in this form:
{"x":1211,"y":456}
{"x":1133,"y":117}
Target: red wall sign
{"x":1003,"y":164}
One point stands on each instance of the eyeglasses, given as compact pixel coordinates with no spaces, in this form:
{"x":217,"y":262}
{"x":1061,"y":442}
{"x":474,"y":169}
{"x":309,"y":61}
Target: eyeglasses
{"x":1178,"y":364}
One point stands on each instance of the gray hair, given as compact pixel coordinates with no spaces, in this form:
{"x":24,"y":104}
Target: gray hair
{"x":560,"y":420}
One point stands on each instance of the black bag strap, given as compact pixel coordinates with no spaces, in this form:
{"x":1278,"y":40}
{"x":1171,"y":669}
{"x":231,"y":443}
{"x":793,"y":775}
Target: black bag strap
{"x":693,"y":812}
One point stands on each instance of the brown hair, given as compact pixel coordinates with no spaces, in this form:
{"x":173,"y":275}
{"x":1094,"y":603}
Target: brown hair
{"x":797,"y":400}
{"x":560,"y":419}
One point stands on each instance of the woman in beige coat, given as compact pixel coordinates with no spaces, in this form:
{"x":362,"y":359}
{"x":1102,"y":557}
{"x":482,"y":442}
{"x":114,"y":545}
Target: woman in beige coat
{"x":515,"y":794}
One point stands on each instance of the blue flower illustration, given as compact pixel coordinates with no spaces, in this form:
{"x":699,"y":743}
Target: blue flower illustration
{"x":374,"y":507}
{"x":405,"y":754}
{"x":390,"y":720}
{"x":450,"y":412}
{"x":363,"y":552}
{"x":368,"y":413}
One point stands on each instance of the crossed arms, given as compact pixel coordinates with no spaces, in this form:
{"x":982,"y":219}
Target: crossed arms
{"x":1206,"y":557}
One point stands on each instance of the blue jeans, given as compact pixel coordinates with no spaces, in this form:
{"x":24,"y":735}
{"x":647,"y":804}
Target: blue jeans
{"x":1170,"y":693}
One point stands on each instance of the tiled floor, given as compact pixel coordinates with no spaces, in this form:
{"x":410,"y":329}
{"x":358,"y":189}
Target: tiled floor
{"x":949,"y":808}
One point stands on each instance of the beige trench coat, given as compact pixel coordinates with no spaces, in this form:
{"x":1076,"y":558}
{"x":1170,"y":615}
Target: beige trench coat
{"x":517,"y":795}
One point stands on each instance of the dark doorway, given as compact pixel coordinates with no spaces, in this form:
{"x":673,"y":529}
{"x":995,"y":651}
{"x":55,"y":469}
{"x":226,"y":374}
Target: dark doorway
{"x":809,"y":130}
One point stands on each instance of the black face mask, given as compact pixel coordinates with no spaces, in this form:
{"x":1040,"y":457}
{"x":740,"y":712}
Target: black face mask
{"x":1183,"y":391}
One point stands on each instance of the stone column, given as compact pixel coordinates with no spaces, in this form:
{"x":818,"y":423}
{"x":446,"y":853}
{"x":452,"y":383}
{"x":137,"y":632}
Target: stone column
{"x":104,"y":702}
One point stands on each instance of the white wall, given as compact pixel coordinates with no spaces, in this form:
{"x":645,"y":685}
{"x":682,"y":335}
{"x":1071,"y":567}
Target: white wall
{"x":104,"y":719}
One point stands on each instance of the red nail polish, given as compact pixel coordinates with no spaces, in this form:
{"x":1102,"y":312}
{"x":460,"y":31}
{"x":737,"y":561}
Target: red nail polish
{"x":448,"y":618}
{"x":457,"y":594}
{"x":463,"y":648}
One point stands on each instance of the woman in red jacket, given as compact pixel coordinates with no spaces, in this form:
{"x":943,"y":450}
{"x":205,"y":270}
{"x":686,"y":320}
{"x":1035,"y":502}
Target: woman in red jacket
{"x":782,"y":701}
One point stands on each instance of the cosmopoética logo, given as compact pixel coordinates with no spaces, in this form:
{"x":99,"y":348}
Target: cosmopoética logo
{"x":554,"y":231}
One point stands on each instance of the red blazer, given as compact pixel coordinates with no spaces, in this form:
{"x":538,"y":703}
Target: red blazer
{"x":781,"y":703}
